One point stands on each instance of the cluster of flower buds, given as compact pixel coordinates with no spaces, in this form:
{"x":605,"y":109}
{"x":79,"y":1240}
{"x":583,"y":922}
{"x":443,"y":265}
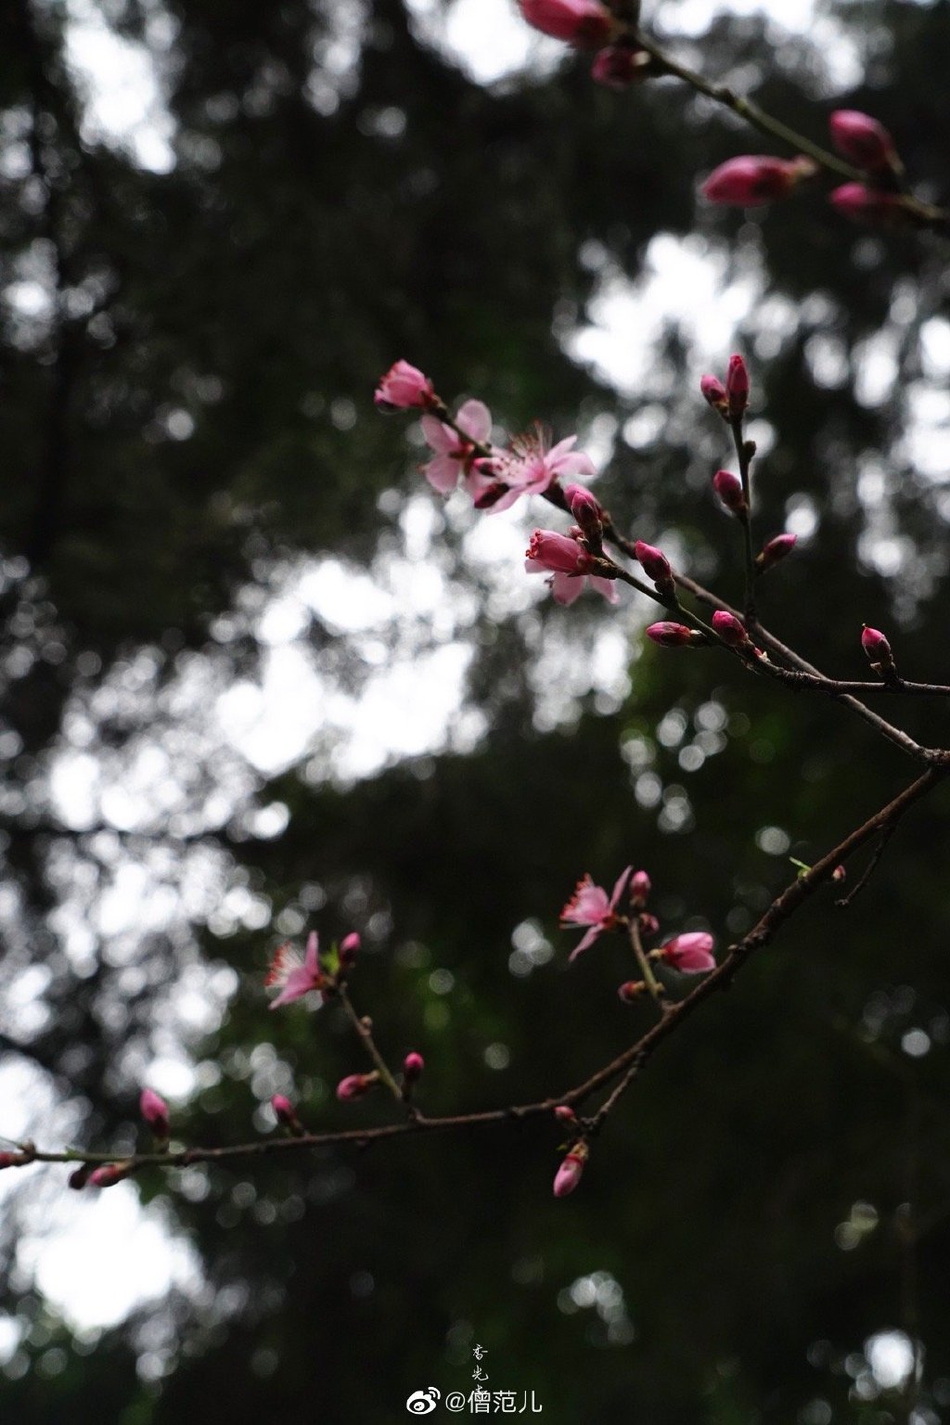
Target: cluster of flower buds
{"x":878,"y":652}
{"x":730,"y":400}
{"x":753,"y":179}
{"x":587,"y":24}
{"x":591,"y":906}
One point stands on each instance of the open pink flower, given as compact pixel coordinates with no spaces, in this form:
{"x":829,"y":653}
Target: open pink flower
{"x":295,"y":974}
{"x":590,"y":905}
{"x":453,"y":454}
{"x":691,"y":954}
{"x":567,"y":561}
{"x":529,"y":467}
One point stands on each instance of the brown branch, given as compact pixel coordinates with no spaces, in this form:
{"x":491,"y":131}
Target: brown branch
{"x":625,"y":1067}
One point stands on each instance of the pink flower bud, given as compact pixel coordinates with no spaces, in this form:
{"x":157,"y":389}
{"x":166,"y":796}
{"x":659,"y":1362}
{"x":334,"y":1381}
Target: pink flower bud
{"x":737,"y":386}
{"x":775,"y":550}
{"x":108,"y":1175}
{"x":753,"y":179}
{"x":655,"y":565}
{"x":878,"y":651}
{"x":649,"y":924}
{"x":839,"y":874}
{"x":556,"y":552}
{"x":12,"y":1160}
{"x":285,"y":1114}
{"x":620,"y":65}
{"x":729,"y":489}
{"x":355,"y":1086}
{"x":154,"y":1110}
{"x":403,"y":387}
{"x":587,"y":510}
{"x":631,"y":990}
{"x":582,"y":23}
{"x":730,"y":629}
{"x":79,"y":1177}
{"x":412,"y":1067}
{"x":715,"y":393}
{"x":862,"y":140}
{"x":640,"y":887}
{"x":349,"y":949}
{"x":691,"y":954}
{"x":565,"y":1113}
{"x":865,"y":205}
{"x":672,"y":635}
{"x":569,"y":1173}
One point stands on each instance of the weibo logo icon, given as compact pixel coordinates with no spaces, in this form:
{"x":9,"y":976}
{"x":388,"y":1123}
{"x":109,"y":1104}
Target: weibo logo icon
{"x":423,"y":1402}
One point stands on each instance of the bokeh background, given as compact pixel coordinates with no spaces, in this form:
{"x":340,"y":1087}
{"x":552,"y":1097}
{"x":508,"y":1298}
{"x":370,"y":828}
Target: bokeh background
{"x":258,"y":679}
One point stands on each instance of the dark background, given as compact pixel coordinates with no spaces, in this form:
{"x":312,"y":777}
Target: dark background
{"x":702,"y":1272}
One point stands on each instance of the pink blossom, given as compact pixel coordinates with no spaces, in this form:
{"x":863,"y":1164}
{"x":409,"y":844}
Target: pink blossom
{"x":862,"y":140}
{"x":569,"y":1173}
{"x":355,"y":1086}
{"x":775,"y":550}
{"x":655,"y":565}
{"x":295,"y":974}
{"x":868,"y":205}
{"x":691,"y":954}
{"x":454,"y":455}
{"x":567,"y":561}
{"x":737,"y":386}
{"x":591,"y":906}
{"x":729,"y":489}
{"x":565,"y":1113}
{"x":730,"y":629}
{"x":620,"y":65}
{"x":672,"y":635}
{"x":154,"y":1110}
{"x":529,"y":467}
{"x":754,"y":179}
{"x":403,"y":387}
{"x":583,"y":23}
